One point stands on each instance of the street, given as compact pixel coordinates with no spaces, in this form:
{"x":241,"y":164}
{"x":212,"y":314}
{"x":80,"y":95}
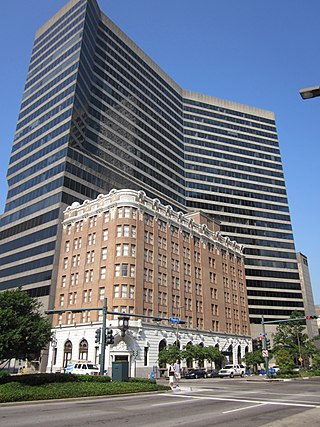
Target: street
{"x":205,"y":402}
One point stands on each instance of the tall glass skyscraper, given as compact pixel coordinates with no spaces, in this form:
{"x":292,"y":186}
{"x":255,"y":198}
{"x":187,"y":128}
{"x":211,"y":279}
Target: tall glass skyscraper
{"x":97,"y":113}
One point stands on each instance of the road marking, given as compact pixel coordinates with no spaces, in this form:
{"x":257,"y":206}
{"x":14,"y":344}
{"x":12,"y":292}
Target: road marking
{"x":229,"y":399}
{"x":171,"y":403}
{"x":242,"y":409}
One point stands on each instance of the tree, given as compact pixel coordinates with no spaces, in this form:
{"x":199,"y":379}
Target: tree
{"x":169,"y":354}
{"x":253,"y":359}
{"x":201,"y":353}
{"x":214,"y":355}
{"x":316,"y":360}
{"x":291,"y":341}
{"x":24,"y":332}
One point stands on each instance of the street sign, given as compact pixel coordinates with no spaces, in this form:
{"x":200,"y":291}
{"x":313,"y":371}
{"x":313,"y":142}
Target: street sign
{"x":265,"y":353}
{"x":174,"y":319}
{"x":300,"y":359}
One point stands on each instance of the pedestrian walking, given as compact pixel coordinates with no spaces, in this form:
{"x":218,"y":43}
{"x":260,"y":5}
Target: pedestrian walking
{"x":171,"y":375}
{"x":177,"y":372}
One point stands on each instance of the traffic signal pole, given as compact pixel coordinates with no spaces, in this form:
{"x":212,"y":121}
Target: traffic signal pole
{"x":103,"y":338}
{"x":264,"y":346}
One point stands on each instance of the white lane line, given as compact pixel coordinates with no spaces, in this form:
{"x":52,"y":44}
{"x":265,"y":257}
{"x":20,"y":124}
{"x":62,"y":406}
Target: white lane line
{"x":229,"y":399}
{"x":242,"y":409}
{"x":171,"y":403}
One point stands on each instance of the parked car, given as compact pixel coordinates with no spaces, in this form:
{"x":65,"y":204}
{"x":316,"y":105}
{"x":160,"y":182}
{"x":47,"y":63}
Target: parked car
{"x":82,"y":368}
{"x":232,"y":371}
{"x":196,"y":373}
{"x":212,"y":373}
{"x":273,"y":370}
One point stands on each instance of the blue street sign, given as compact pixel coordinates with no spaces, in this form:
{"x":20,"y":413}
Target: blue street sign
{"x":174,"y":319}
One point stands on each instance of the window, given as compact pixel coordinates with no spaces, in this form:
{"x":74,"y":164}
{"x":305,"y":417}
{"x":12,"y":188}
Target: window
{"x":92,"y":239}
{"x":93,"y":221}
{"x":103,"y":273}
{"x":104,"y":253}
{"x":124,"y":291}
{"x":133,"y":250}
{"x":124,"y":270}
{"x":116,"y":291}
{"x":118,"y":250}
{"x":131,"y":291}
{"x":106,"y":216}
{"x":134,"y":213}
{"x":119,"y":230}
{"x":61,"y":300}
{"x":127,"y":212}
{"x":67,"y":246}
{"x":119,"y":212}
{"x":63,"y":281}
{"x":90,"y":257}
{"x":69,"y":229}
{"x":72,"y":279}
{"x":145,"y":356}
{"x":126,"y":231}
{"x":105,"y":235}
{"x":132,"y":270}
{"x":125,"y":249}
{"x":117,"y":270}
{"x":133,"y":231}
{"x":101,"y":293}
{"x":77,"y":243}
{"x":85,"y":296}
{"x":79,"y":226}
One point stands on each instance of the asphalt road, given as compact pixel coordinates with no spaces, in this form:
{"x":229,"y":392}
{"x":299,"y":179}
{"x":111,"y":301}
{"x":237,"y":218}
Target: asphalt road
{"x":205,"y":402}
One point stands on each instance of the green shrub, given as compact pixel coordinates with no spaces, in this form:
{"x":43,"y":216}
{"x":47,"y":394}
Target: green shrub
{"x":41,"y":379}
{"x":142,"y":380}
{"x":4,"y":374}
{"x":93,"y":378}
{"x":15,"y":391}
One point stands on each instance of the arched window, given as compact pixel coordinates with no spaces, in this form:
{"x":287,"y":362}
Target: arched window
{"x":177,"y":343}
{"x":239,"y":354}
{"x":162,"y":366}
{"x":67,"y":352}
{"x":83,"y":350}
{"x":189,"y":360}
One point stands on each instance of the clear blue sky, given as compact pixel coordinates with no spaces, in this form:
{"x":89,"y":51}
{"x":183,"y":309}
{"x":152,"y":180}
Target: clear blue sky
{"x":254,"y":52}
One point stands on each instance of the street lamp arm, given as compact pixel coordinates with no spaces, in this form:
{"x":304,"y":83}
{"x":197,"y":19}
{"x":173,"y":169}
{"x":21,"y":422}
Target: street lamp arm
{"x":310,"y":92}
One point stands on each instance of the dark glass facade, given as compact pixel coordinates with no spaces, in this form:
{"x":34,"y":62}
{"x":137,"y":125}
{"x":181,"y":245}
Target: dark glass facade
{"x":97,"y":114}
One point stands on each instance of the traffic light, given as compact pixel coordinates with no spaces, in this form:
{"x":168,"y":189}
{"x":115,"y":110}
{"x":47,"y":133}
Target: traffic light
{"x":110,"y":337}
{"x":268,"y":345}
{"x":312,"y":317}
{"x":98,"y":336}
{"x":259,"y":343}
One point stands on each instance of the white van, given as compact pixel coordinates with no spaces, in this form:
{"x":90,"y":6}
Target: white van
{"x":82,"y":368}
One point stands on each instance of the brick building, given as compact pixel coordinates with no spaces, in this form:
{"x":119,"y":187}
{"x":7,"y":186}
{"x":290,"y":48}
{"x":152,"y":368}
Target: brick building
{"x":147,"y":259}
